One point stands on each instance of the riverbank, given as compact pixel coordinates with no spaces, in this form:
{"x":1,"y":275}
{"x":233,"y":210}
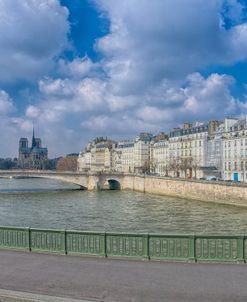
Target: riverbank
{"x":210,"y":191}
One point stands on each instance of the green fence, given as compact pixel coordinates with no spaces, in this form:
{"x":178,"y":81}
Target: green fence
{"x":194,"y":248}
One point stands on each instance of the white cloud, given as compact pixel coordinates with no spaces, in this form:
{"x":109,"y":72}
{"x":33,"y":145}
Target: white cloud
{"x":176,"y":38}
{"x":79,"y":67}
{"x":6,"y":104}
{"x":146,"y":79}
{"x":32,"y":33}
{"x":56,"y":88}
{"x":32,"y":112}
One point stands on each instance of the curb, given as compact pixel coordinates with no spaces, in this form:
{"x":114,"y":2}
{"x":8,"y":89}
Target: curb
{"x":18,"y":296}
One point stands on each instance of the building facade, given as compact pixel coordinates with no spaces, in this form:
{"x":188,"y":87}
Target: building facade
{"x":234,"y":151}
{"x":203,"y":150}
{"x":33,"y":157}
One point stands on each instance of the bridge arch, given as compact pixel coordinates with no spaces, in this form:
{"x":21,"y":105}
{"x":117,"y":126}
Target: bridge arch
{"x":114,"y":184}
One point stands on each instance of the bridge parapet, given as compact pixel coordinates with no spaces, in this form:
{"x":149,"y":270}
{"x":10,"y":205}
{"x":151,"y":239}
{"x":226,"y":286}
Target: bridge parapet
{"x":90,"y":181}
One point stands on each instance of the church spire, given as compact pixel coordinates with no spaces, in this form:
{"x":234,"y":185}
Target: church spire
{"x":33,"y":140}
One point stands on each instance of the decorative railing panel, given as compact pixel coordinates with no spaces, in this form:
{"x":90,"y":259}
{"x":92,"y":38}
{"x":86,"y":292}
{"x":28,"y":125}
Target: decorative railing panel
{"x":169,"y":247}
{"x":47,"y":240}
{"x":219,"y":248}
{"x":127,"y":245}
{"x":16,"y":238}
{"x":85,"y":243}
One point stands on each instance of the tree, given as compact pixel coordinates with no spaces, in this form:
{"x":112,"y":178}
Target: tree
{"x":174,"y":165}
{"x":186,"y":165}
{"x":68,"y":163}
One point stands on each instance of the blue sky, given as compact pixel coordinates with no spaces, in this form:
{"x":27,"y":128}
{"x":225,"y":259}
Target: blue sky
{"x":85,"y":68}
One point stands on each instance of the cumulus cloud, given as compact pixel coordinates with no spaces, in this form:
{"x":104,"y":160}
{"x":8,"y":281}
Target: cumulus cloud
{"x":174,"y":40}
{"x":79,"y":67}
{"x":32,"y":33}
{"x":6,"y":103}
{"x":150,"y":75}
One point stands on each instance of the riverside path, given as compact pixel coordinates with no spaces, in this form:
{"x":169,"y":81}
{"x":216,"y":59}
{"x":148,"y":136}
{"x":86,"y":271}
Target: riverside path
{"x":27,"y":277}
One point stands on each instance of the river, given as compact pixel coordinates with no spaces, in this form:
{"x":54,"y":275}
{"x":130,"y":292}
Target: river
{"x":50,"y":204}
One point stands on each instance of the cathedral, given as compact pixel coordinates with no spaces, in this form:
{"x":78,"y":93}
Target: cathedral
{"x":33,"y":157}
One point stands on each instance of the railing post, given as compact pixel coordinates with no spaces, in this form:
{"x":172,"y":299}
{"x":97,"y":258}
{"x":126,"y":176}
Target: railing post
{"x":105,"y":245}
{"x":241,"y":249}
{"x":192,"y":248}
{"x":29,"y":240}
{"x":65,"y":242}
{"x":148,"y":254}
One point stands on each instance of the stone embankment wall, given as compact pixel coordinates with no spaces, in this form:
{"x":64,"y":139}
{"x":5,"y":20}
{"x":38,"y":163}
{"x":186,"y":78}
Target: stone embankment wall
{"x":234,"y":194}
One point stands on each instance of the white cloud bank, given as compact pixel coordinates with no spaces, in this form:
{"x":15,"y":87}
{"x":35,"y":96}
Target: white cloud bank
{"x":32,"y":33}
{"x":149,"y":79}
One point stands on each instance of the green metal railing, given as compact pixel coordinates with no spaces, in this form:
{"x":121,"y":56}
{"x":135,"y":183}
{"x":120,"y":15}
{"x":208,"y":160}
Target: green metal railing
{"x":215,"y":248}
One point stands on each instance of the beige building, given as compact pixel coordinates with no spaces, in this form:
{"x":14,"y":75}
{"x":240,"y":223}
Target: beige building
{"x":125,"y":156}
{"x":142,"y":152}
{"x":98,"y":156}
{"x":84,"y":161}
{"x":133,"y":156}
{"x":188,"y":150}
{"x":161,"y":155}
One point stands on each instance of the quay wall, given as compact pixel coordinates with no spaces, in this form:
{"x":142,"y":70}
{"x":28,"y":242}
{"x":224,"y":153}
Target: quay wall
{"x":218,"y":192}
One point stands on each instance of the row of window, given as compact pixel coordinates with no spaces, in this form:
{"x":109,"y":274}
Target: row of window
{"x":236,"y":142}
{"x":235,"y":166}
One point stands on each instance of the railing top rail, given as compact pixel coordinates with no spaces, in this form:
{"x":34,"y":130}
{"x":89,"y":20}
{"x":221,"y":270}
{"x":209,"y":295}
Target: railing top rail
{"x":13,"y":228}
{"x":131,"y":234}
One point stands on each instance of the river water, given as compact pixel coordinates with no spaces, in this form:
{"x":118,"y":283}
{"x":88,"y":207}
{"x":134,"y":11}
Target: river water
{"x":50,"y":204}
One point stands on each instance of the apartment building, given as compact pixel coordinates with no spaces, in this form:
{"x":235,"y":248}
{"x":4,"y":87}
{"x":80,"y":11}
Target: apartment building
{"x":160,"y":157}
{"x":188,"y":150}
{"x":234,"y":151}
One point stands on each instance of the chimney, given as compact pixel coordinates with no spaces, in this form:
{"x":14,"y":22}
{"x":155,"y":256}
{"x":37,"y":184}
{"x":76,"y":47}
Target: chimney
{"x":187,"y":125}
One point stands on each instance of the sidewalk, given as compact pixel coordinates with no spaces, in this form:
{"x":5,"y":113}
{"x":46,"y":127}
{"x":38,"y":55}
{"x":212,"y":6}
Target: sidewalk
{"x":108,"y":280}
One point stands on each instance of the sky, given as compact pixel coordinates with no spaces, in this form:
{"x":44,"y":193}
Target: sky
{"x":86,"y":68}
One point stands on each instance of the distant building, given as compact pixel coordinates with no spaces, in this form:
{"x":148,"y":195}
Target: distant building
{"x":33,"y":157}
{"x":161,"y":153}
{"x":234,"y":153}
{"x":200,"y":150}
{"x":188,"y":150}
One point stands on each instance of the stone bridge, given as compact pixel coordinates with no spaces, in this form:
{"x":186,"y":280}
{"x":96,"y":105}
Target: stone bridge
{"x":89,"y":181}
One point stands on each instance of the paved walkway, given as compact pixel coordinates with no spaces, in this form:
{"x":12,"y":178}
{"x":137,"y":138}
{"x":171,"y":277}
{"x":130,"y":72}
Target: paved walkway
{"x":108,"y":280}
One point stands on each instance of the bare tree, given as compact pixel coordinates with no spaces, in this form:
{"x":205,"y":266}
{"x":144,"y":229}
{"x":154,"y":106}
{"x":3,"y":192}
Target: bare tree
{"x":174,"y":165}
{"x":186,"y":165}
{"x":68,"y":163}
